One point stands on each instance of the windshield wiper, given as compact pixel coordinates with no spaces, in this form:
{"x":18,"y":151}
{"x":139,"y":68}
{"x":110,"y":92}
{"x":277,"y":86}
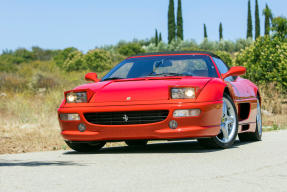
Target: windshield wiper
{"x":112,"y":78}
{"x":164,"y":74}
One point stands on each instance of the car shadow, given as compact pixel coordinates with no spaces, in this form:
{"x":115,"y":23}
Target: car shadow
{"x":13,"y":163}
{"x":167,"y":147}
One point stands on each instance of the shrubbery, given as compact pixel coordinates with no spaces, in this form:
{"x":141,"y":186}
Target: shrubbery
{"x":129,"y":49}
{"x":98,"y":60}
{"x":265,"y":58}
{"x":74,"y":61}
{"x":61,"y":57}
{"x":266,"y":61}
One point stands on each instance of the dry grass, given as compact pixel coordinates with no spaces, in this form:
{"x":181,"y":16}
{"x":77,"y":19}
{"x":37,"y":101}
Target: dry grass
{"x":29,"y":122}
{"x":274,"y":108}
{"x":28,"y":108}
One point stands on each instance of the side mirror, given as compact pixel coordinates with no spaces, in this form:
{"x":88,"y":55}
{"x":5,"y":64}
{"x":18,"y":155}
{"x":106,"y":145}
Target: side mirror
{"x":234,"y":71}
{"x":92,"y":77}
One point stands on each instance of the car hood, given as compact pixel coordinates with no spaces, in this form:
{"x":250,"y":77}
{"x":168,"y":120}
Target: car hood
{"x":144,"y":89}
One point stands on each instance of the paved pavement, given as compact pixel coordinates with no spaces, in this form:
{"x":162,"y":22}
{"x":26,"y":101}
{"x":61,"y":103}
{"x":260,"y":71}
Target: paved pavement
{"x":173,"y":166}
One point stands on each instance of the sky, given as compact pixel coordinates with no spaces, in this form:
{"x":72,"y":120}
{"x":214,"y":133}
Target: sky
{"x":86,"y":24}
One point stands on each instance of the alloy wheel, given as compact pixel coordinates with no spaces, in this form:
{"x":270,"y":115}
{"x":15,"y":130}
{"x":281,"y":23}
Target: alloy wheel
{"x":228,"y":124}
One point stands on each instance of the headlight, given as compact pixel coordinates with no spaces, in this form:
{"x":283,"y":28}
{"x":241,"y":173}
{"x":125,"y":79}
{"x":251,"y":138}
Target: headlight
{"x":76,"y":97}
{"x":183,"y":93}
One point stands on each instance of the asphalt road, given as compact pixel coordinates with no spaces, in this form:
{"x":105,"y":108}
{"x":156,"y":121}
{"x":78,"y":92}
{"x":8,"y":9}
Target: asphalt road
{"x":173,"y":166}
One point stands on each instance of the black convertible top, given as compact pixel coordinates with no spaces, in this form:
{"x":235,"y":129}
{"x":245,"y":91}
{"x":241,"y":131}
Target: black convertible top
{"x":177,"y":52}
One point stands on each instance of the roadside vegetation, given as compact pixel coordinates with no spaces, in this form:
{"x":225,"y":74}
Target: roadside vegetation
{"x":32,"y":81}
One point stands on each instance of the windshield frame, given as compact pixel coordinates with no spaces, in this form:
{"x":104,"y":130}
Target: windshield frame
{"x":113,"y":70}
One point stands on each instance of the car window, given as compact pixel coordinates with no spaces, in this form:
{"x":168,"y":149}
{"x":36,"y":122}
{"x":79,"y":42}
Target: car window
{"x":194,"y":67}
{"x":222,"y":67}
{"x":178,"y":65}
{"x":123,"y":70}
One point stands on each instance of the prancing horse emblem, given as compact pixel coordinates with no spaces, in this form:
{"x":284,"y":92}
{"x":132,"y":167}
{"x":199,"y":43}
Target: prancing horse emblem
{"x":125,"y":118}
{"x":129,"y":98}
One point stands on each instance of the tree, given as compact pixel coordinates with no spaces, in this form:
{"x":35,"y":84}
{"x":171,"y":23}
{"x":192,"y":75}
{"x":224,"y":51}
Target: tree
{"x":160,"y":38}
{"x":257,"y":21}
{"x":249,"y":22}
{"x":279,"y":27}
{"x":268,"y":17}
{"x":220,"y":31}
{"x":171,"y":22}
{"x":156,"y":37}
{"x":205,"y":31}
{"x":179,"y":21}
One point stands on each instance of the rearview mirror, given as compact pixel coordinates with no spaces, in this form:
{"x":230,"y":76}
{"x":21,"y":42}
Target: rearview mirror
{"x":234,"y":71}
{"x":92,"y":77}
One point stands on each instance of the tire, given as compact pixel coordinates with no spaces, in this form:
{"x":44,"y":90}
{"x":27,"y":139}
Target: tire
{"x":257,"y":135}
{"x":228,"y":128}
{"x":136,"y":143}
{"x":85,"y":147}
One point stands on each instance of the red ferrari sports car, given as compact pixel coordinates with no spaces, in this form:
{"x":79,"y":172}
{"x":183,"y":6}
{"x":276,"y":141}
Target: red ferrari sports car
{"x":163,"y":96}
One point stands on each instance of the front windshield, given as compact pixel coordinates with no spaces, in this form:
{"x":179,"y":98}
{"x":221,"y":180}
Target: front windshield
{"x":173,"y":65}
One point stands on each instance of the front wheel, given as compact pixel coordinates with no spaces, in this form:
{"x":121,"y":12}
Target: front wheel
{"x":86,"y":147}
{"x":228,"y":127}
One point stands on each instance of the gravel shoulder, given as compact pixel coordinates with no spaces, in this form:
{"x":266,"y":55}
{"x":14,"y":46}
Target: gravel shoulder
{"x":172,"y":166}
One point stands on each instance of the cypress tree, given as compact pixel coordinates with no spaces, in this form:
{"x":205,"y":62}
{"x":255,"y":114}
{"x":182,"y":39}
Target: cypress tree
{"x":156,"y":37}
{"x":257,"y":21}
{"x":171,"y":21}
{"x":179,"y":21}
{"x":220,"y":31}
{"x":249,"y":22}
{"x":205,"y":31}
{"x":268,"y":17}
{"x":160,"y":38}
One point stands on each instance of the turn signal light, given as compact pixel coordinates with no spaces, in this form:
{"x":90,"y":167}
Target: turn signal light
{"x":186,"y":113}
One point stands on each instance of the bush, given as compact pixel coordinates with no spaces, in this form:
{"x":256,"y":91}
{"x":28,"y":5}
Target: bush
{"x":74,"y":62}
{"x":243,"y":43}
{"x":224,"y":45}
{"x":129,"y":49}
{"x":266,"y":61}
{"x":207,"y":45}
{"x":98,"y":60}
{"x":24,"y":54}
{"x":42,"y":54}
{"x":63,"y":55}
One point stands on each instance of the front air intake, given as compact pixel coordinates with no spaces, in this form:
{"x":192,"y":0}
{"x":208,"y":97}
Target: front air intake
{"x":126,"y":118}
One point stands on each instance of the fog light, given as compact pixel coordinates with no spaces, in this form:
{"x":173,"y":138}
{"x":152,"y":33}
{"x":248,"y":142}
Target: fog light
{"x":82,"y":127}
{"x":70,"y":117}
{"x":172,"y":124}
{"x":186,"y":113}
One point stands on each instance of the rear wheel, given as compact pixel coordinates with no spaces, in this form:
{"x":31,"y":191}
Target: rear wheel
{"x":86,"y":147}
{"x":257,"y":135}
{"x":228,"y":127}
{"x":136,"y":143}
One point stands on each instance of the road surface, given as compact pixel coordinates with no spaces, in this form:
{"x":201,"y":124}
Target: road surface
{"x":174,"y":166}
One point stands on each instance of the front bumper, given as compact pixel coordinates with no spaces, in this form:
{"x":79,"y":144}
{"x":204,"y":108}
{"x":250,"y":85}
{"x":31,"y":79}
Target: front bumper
{"x":207,"y":124}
